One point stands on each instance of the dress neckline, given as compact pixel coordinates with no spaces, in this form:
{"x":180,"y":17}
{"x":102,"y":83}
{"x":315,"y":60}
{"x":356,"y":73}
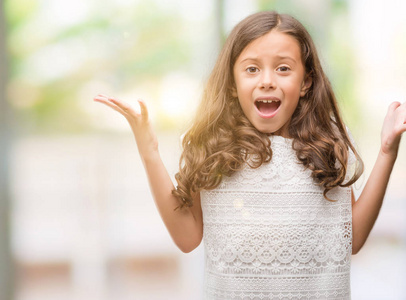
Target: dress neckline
{"x":280,"y":138}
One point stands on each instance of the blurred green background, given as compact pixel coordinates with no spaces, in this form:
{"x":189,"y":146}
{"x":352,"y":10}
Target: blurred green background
{"x":62,"y":51}
{"x":82,"y":224}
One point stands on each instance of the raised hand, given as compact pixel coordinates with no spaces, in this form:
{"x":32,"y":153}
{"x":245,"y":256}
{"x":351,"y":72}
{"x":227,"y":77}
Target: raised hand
{"x":393,"y":127}
{"x":140,"y":125}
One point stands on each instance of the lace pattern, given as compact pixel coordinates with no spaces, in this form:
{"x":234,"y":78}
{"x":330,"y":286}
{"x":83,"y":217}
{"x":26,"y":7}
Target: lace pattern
{"x":270,"y":234}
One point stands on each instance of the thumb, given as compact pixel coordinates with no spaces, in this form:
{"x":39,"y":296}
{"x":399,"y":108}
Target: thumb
{"x":144,"y":110}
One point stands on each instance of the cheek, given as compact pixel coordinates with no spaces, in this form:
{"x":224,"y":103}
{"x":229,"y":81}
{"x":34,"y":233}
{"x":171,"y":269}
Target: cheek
{"x":245,"y":105}
{"x":245,"y":83}
{"x":293,"y":87}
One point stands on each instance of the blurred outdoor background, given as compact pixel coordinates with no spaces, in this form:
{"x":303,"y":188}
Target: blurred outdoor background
{"x":77,"y":219}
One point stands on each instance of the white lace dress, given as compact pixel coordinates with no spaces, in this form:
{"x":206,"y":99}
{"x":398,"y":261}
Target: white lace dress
{"x":270,"y":234}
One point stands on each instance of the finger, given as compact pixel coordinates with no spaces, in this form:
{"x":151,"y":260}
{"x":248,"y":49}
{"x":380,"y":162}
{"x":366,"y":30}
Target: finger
{"x":144,"y":110}
{"x":401,"y":110}
{"x":104,"y":101}
{"x":402,"y":129}
{"x":123,"y":105}
{"x":402,"y":106}
{"x":101,"y":99}
{"x":100,"y":96}
{"x":393,"y":106}
{"x":107,"y":103}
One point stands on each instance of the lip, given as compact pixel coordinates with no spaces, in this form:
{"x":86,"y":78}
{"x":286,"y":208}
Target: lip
{"x":267,"y":98}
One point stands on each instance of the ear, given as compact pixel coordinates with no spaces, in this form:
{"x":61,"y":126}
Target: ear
{"x":306,"y":84}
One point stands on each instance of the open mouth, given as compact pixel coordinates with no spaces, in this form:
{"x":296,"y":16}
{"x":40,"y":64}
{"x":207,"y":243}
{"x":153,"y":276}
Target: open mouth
{"x":267,"y":108}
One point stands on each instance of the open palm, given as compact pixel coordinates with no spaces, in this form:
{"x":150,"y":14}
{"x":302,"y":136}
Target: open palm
{"x":139,"y":123}
{"x":393,"y":127}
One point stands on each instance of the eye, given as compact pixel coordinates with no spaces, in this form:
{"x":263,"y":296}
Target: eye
{"x":283,"y":69}
{"x":252,"y":70}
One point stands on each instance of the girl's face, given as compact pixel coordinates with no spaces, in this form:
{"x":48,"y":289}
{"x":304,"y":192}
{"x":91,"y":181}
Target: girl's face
{"x":270,"y":78}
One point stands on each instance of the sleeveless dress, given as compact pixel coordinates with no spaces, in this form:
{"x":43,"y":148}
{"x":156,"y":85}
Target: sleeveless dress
{"x":270,"y":234}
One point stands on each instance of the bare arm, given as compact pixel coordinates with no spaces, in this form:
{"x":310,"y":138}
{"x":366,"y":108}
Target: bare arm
{"x":184,"y":225}
{"x":365,"y":211}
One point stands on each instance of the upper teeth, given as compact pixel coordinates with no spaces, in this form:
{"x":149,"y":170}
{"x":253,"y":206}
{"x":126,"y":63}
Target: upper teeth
{"x":267,"y":101}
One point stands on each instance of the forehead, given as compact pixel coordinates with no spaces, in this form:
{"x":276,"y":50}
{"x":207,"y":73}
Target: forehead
{"x":272,"y":44}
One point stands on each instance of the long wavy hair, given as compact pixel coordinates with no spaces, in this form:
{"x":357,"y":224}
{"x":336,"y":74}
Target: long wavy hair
{"x":222,"y":140}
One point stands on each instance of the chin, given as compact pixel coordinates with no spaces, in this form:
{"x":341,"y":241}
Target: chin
{"x":268,"y":131}
{"x":265,"y":130}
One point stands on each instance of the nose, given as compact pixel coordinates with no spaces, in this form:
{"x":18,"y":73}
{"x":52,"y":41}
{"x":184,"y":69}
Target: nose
{"x":266,"y":80}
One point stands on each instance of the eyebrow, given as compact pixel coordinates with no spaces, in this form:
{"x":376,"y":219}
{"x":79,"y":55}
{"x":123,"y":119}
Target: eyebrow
{"x":286,"y":57}
{"x":281,"y":57}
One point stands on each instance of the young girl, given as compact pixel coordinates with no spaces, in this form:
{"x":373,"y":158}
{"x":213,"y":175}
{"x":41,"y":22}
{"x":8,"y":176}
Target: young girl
{"x":266,"y":170}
